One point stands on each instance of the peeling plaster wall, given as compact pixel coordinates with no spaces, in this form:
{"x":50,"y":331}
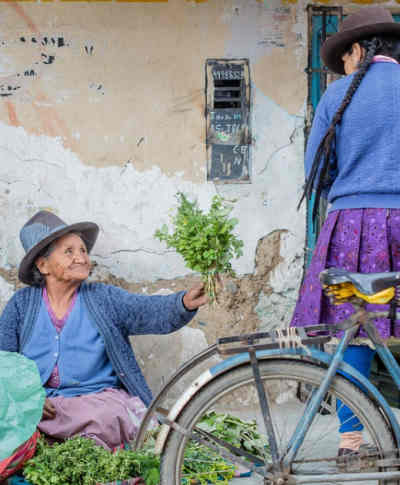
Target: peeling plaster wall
{"x":102,"y":118}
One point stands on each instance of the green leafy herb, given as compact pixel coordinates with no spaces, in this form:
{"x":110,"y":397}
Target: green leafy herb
{"x":79,"y":461}
{"x":204,"y":466}
{"x":242,"y":434}
{"x":205,"y":240}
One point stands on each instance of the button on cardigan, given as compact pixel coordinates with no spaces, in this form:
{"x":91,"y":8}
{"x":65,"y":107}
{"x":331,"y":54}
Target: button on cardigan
{"x":116,"y":313}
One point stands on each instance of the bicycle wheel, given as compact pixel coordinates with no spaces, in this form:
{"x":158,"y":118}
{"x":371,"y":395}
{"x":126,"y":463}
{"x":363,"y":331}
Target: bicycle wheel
{"x":235,"y":393}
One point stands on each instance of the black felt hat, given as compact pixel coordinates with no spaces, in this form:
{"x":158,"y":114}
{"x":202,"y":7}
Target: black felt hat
{"x":365,"y":23}
{"x":41,"y":230}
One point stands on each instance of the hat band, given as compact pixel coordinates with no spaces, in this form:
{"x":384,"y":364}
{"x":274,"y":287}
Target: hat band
{"x":36,"y":232}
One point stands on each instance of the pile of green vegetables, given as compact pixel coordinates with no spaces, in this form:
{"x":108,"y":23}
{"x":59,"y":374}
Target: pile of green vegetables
{"x":78,"y":461}
{"x":206,"y":241}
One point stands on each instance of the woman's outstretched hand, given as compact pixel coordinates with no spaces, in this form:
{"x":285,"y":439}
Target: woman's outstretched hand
{"x":49,"y":411}
{"x":195,"y":297}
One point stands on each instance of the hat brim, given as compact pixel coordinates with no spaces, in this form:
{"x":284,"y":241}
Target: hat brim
{"x":334,"y":47}
{"x":89,"y":231}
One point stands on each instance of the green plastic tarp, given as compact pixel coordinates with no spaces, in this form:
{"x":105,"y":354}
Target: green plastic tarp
{"x":21,"y":401}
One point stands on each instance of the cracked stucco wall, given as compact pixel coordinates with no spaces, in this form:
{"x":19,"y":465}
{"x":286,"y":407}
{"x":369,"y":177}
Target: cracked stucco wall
{"x":102,"y":118}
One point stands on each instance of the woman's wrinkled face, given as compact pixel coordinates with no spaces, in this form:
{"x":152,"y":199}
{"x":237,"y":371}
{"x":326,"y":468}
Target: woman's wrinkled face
{"x":68,"y":262}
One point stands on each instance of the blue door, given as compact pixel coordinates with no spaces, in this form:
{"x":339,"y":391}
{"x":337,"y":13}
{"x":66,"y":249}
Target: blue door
{"x":323,"y":22}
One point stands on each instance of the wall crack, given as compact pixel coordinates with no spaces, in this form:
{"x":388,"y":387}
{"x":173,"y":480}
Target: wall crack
{"x":275,"y":152}
{"x":29,"y":160}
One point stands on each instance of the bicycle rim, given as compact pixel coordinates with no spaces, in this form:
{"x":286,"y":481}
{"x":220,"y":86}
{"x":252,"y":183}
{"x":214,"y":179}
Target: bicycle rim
{"x":288,"y":386}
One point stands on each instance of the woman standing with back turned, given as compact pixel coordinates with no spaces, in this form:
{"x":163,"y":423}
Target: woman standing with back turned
{"x":353,"y":160}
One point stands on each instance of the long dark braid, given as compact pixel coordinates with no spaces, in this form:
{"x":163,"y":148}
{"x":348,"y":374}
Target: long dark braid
{"x":324,"y":151}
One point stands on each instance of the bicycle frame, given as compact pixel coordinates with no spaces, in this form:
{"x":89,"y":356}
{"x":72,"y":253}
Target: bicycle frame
{"x":333,"y":362}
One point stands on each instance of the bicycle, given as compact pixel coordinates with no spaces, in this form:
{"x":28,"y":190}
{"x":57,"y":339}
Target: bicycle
{"x":298,"y":437}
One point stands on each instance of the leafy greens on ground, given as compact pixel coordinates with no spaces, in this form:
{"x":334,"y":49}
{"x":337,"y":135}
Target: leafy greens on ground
{"x":79,"y":461}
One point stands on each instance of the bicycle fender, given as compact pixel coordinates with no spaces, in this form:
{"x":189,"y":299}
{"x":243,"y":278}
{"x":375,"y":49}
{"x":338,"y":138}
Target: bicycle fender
{"x":315,"y":355}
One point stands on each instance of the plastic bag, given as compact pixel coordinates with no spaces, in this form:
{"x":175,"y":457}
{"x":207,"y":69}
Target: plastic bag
{"x":23,"y":453}
{"x":21,"y":401}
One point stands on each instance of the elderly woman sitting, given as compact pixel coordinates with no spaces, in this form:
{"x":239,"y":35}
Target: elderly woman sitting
{"x":78,"y":333}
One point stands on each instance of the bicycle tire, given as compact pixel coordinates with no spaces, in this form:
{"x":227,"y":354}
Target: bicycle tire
{"x":290,"y":372}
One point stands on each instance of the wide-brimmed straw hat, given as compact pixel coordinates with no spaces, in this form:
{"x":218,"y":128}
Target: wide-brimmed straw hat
{"x":365,"y":23}
{"x":41,"y":230}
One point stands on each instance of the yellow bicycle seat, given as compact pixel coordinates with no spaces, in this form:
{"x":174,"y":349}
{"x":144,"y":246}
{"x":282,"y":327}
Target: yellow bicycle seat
{"x":342,"y":292}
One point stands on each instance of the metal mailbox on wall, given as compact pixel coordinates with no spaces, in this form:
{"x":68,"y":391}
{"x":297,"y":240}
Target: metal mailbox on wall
{"x":228,"y":135}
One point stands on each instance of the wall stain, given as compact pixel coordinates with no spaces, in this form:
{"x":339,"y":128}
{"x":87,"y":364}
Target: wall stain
{"x":19,"y":10}
{"x":51,"y":122}
{"x":181,"y":104}
{"x":97,"y":87}
{"x":11,"y":277}
{"x":56,"y":42}
{"x":45,"y":41}
{"x":12,"y":115}
{"x":47,"y":59}
{"x":37,"y":40}
{"x":8,"y":89}
{"x":14,"y":83}
{"x":89,"y":49}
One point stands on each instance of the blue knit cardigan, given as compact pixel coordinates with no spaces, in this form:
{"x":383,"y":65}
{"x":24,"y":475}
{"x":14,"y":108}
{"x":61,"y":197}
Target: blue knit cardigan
{"x":117,"y":315}
{"x":367,"y":141}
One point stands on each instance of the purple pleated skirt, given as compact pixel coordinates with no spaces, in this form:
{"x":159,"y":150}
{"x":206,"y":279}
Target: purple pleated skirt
{"x":358,"y":240}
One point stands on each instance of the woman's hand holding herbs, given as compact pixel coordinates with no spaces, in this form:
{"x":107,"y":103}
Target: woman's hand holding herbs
{"x":195,"y":297}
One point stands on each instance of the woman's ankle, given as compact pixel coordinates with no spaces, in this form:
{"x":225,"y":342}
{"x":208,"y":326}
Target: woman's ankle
{"x":351,"y":440}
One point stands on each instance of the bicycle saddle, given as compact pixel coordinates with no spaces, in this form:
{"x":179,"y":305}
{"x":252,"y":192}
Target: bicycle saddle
{"x":369,"y":284}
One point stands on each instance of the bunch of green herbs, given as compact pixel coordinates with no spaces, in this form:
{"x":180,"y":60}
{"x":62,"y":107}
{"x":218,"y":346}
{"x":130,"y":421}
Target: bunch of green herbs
{"x":206,"y":241}
{"x":79,"y":461}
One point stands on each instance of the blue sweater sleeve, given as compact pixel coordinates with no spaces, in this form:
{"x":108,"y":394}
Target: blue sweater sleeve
{"x":144,"y":314}
{"x":319,"y":128}
{"x":10,"y":320}
{"x":322,"y":119}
